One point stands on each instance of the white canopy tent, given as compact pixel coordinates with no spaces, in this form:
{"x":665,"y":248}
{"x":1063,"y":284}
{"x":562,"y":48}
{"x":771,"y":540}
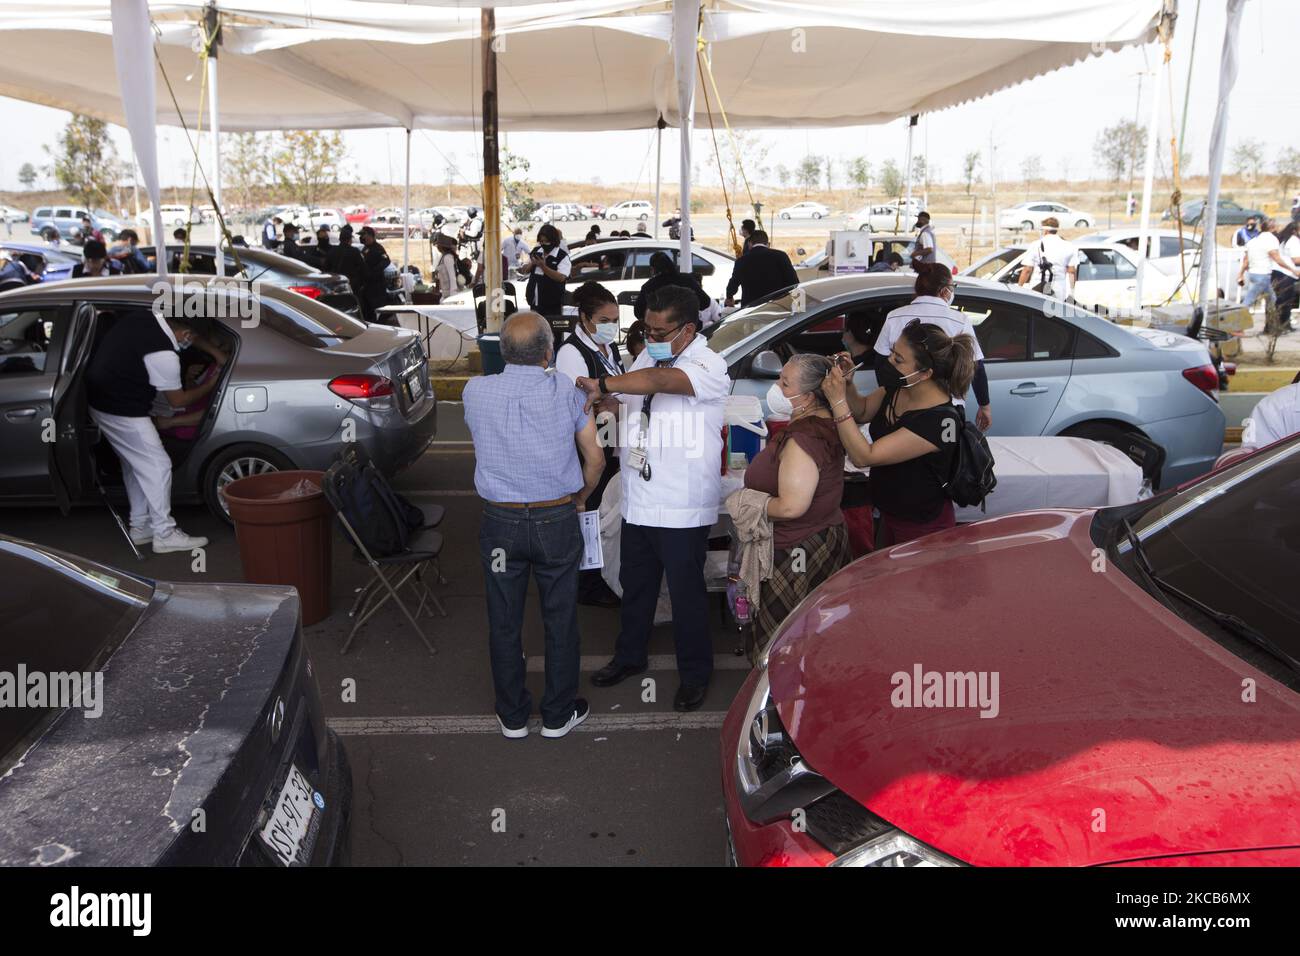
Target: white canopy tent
{"x":567,"y":65}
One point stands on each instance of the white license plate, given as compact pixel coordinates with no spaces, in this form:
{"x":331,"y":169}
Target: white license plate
{"x":291,"y":819}
{"x":415,"y":386}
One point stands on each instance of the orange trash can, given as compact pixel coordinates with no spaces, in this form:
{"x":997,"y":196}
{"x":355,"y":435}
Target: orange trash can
{"x":285,"y":529}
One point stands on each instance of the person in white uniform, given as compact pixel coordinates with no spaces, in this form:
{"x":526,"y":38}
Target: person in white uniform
{"x":590,"y":352}
{"x":933,"y":306}
{"x":670,"y":455}
{"x":1054,"y":260}
{"x":137,"y":360}
{"x":1276,"y":416}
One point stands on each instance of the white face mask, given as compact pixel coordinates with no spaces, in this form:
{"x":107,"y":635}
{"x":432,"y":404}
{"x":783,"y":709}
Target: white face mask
{"x":606,"y":332}
{"x":778,"y":403}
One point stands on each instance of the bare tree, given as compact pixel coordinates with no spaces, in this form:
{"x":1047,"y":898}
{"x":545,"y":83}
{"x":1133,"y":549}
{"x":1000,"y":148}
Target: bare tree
{"x":1287,"y":168}
{"x":970,"y":169}
{"x":1117,"y":147}
{"x":1248,"y":159}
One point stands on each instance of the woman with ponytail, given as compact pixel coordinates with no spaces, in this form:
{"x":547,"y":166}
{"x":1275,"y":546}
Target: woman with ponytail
{"x":802,"y":469}
{"x":914,"y":428}
{"x":589,"y":351}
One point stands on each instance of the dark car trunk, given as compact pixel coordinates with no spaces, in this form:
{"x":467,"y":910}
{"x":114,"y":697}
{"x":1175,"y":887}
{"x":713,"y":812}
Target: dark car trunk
{"x":207,"y":705}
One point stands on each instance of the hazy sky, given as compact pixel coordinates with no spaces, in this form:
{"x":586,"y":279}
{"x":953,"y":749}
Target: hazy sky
{"x":1055,"y":117}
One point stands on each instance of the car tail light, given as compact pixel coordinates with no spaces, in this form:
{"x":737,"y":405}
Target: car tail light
{"x":353,"y":387}
{"x":310,"y":291}
{"x":1204,"y":377}
{"x":1230,"y":368}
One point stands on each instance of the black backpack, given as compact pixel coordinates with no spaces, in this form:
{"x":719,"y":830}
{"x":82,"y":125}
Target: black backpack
{"x":381,"y":517}
{"x":972,"y":478}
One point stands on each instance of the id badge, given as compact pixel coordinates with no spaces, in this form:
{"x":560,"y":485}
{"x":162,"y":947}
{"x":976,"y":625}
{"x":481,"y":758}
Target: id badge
{"x":636,"y":459}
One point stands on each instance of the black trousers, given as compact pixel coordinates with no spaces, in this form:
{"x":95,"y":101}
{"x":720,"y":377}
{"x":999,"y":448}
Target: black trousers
{"x":646,"y":554}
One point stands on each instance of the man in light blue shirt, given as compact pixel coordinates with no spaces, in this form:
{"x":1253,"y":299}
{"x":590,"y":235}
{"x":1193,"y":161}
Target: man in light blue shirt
{"x":524,"y":423}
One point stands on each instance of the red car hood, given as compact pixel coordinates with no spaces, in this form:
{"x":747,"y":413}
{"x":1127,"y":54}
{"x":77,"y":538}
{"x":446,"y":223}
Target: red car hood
{"x":1120,"y":732}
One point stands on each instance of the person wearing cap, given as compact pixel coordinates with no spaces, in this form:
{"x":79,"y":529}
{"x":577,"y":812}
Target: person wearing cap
{"x":471,"y":233}
{"x":374,"y":284}
{"x":134,"y":366}
{"x":444,"y":271}
{"x":926,"y":248}
{"x":319,"y":254}
{"x":289,"y":247}
{"x":1054,"y":260}
{"x":94,"y":260}
{"x":346,"y":260}
{"x":270,"y":233}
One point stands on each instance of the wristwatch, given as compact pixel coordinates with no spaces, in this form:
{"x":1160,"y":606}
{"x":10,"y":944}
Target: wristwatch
{"x":604,"y":390}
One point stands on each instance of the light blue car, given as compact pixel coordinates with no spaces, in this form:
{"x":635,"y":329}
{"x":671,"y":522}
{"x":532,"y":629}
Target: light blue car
{"x":1053,"y":369}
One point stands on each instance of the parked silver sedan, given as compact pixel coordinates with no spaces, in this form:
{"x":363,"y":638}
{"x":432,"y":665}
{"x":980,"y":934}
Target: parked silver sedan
{"x":1053,"y":369}
{"x":302,"y":380}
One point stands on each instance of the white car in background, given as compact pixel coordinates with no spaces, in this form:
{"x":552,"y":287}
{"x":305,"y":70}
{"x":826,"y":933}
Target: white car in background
{"x":623,"y":265}
{"x":173,"y":215}
{"x":11,"y":214}
{"x":334,"y":219}
{"x":1164,"y":245}
{"x":630,"y":209}
{"x":1106,"y":280}
{"x":805,"y":210}
{"x":882,"y":218}
{"x":1030,"y":215}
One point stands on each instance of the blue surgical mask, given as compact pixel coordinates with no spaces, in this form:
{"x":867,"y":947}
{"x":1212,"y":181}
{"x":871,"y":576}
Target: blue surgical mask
{"x":606,"y":332}
{"x":662,"y":351}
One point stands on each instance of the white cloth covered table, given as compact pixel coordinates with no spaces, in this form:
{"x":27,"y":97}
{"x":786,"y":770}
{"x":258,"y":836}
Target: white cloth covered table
{"x":449,"y":331}
{"x":1054,"y":472}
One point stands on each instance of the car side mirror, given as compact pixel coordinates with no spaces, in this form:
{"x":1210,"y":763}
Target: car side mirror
{"x":767,"y":364}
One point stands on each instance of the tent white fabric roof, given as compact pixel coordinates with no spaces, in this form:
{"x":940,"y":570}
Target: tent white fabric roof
{"x":567,"y":65}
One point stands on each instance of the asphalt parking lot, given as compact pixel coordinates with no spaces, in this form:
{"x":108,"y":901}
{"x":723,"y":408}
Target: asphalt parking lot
{"x":434,"y":781}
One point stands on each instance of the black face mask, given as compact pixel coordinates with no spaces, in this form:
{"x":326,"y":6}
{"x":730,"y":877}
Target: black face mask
{"x":891,"y":379}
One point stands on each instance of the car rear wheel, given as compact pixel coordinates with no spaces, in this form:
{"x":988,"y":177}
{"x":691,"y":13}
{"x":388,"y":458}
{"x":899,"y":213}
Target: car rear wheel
{"x":1081,"y":224}
{"x":238,"y":461}
{"x":1027,"y":225}
{"x":785,"y":215}
{"x":642,"y":218}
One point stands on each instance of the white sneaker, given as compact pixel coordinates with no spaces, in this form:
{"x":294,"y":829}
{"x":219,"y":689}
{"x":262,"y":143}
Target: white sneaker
{"x":141,"y":535}
{"x":580,"y":711}
{"x":514,"y":733}
{"x":177,"y":540}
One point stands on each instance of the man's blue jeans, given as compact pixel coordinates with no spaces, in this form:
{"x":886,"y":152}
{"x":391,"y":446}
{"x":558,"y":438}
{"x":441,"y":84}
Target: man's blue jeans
{"x":1257,"y":285}
{"x":547,"y":542}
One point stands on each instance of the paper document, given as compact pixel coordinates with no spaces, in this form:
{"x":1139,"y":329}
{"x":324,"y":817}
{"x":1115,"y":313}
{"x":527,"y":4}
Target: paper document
{"x":592,"y":556}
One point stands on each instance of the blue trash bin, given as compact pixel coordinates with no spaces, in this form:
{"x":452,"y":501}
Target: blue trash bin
{"x":489,"y":347}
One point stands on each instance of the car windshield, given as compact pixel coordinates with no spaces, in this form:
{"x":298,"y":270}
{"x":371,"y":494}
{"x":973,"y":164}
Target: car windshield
{"x":994,"y":263}
{"x":1227,"y":541}
{"x":743,"y":323}
{"x":49,"y":594}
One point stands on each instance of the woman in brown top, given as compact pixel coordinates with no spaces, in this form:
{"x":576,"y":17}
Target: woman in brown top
{"x":802,"y":468}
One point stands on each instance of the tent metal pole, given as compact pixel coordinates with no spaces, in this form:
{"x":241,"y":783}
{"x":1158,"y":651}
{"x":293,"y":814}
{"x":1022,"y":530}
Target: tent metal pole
{"x":659,"y":162}
{"x":1148,"y":179}
{"x":1218,"y":141}
{"x":406,"y":211}
{"x":907,"y":177}
{"x":213,"y":24}
{"x":686,"y":22}
{"x":494,"y":303}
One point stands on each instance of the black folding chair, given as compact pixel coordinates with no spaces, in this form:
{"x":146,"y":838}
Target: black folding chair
{"x":392,"y":572}
{"x":357,"y":455}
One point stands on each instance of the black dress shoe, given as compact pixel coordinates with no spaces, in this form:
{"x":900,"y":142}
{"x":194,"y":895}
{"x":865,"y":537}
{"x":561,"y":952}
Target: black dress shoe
{"x":601,"y":598}
{"x":689,"y":697}
{"x":615,"y":673}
